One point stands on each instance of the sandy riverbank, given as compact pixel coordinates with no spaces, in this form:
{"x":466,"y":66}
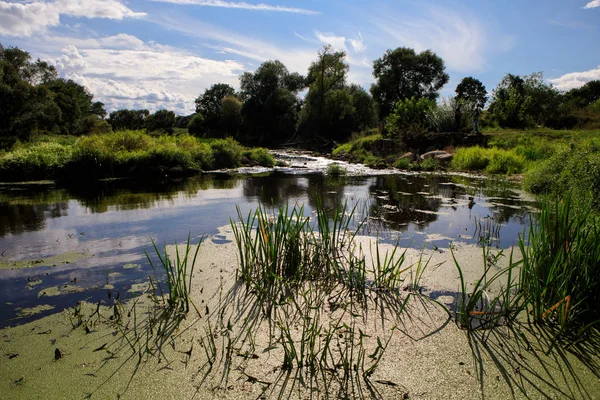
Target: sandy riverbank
{"x":81,"y":352}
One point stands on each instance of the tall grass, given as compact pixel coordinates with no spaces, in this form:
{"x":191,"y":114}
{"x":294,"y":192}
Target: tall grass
{"x":560,"y":276}
{"x":489,"y":160}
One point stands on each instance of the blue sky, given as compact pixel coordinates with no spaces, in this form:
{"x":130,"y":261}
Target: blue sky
{"x":164,"y":53}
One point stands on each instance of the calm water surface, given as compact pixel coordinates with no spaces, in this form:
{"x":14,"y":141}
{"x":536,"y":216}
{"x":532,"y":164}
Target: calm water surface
{"x":114,"y":221}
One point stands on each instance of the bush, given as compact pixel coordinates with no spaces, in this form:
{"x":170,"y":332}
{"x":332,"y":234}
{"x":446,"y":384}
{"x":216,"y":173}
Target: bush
{"x":409,"y":118}
{"x":34,"y":162}
{"x":227,"y":153}
{"x":261,"y":156}
{"x":335,"y":169}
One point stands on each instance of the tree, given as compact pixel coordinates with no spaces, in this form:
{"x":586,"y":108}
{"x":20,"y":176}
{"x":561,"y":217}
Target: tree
{"x":196,"y":124}
{"x":231,"y":116}
{"x":75,"y":103}
{"x":209,"y":105}
{"x":471,"y":90}
{"x":161,"y":120}
{"x":585,"y":95}
{"x":333,"y":110}
{"x":128,"y":119}
{"x":518,"y":102}
{"x":403,"y":74}
{"x":98,"y":110}
{"x":270,"y":108}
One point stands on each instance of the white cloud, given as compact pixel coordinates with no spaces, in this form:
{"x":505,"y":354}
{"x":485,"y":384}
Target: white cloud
{"x":575,"y":79}
{"x":295,"y":59}
{"x":459,"y":38}
{"x":241,"y":5}
{"x":26,"y":19}
{"x":593,"y":4}
{"x":358,"y":44}
{"x":146,"y":76}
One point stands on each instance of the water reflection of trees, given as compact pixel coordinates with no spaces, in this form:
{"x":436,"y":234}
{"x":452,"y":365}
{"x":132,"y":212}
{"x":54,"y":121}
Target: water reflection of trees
{"x":26,"y":208}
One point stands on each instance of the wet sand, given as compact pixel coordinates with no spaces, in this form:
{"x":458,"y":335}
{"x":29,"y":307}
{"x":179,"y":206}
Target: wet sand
{"x":80,"y":352}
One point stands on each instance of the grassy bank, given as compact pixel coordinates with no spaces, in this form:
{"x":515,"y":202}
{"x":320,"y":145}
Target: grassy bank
{"x":125,"y":154}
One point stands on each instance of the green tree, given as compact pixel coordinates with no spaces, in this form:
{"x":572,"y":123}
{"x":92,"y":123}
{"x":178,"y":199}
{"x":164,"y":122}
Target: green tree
{"x":161,"y":120}
{"x":403,"y":74}
{"x":98,"y":110}
{"x":333,"y":110}
{"x":75,"y":103}
{"x":519,"y":102}
{"x":196,"y":125}
{"x":209,"y":105}
{"x":128,"y":119}
{"x":270,"y":108}
{"x":231,"y":116}
{"x":471,"y":90}
{"x":584,"y":95}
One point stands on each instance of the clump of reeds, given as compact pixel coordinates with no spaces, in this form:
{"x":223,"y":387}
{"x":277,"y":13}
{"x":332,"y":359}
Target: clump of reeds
{"x":560,"y":277}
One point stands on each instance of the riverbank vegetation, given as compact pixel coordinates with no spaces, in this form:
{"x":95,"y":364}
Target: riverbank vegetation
{"x":125,"y":154}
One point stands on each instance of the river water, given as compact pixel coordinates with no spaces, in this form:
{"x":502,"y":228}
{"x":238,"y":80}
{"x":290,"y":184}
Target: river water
{"x":110,"y":224}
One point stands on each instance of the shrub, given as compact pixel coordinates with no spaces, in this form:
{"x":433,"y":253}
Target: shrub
{"x":409,"y":119}
{"x":402,"y":163}
{"x":335,"y":169}
{"x":227,"y":153}
{"x":37,"y":161}
{"x":261,"y":156}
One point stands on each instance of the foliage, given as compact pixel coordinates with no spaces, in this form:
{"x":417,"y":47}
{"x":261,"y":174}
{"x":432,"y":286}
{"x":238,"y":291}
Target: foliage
{"x":161,"y":120}
{"x":128,"y":119}
{"x":408,"y":121}
{"x":227,"y":153}
{"x":471,"y":90}
{"x":560,"y":275}
{"x":261,"y":156}
{"x":196,"y":125}
{"x":571,"y":170}
{"x":490,"y":160}
{"x":403,"y":74}
{"x":209,"y":105}
{"x":520,"y":102}
{"x":270,"y":108}
{"x":335,"y":169}
{"x":124,"y":153}
{"x":442,"y":117}
{"x":231,"y":116}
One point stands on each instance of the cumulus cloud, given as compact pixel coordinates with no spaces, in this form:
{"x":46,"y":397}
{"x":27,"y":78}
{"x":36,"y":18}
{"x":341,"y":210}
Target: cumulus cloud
{"x":151,"y":76}
{"x":26,"y":19}
{"x":574,"y":80}
{"x":459,"y":38}
{"x":593,"y":4}
{"x":240,"y":5}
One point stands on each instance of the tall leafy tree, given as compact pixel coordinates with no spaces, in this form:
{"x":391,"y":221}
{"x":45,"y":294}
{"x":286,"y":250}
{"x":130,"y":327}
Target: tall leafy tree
{"x":128,"y":119}
{"x":161,"y":120}
{"x":518,"y":102}
{"x":471,"y":90}
{"x":270,"y":109}
{"x":333,"y":110}
{"x":209,"y":105}
{"x":231,"y":116}
{"x":403,"y":74}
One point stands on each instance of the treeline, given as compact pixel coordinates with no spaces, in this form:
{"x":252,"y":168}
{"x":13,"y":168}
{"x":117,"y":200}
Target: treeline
{"x":275,"y":107}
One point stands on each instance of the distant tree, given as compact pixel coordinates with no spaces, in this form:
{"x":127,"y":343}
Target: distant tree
{"x":182,"y":121}
{"x":333,"y":110}
{"x":161,"y":120}
{"x":128,"y":119}
{"x":519,"y":102}
{"x":403,"y":74}
{"x":270,"y":108}
{"x":98,"y":110}
{"x":231,"y":116}
{"x":471,"y":90}
{"x":196,"y":125}
{"x":584,"y":95}
{"x":209,"y":105}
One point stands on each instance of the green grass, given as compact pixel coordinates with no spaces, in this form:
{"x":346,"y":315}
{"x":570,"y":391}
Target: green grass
{"x":123,"y":154}
{"x":335,"y":169}
{"x":489,"y":160}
